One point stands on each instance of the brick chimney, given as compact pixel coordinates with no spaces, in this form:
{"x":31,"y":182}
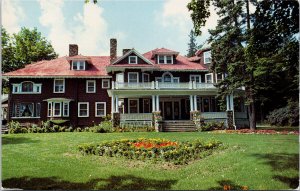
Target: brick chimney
{"x":125,"y":51}
{"x":73,"y":49}
{"x":113,"y":49}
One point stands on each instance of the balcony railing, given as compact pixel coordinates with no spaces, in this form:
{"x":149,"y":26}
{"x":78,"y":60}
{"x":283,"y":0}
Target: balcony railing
{"x":161,"y":85}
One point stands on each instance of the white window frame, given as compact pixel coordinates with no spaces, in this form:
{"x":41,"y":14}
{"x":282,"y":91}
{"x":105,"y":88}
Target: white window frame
{"x":135,"y":57}
{"x":53,"y":109}
{"x":148,"y":76}
{"x":165,"y":59}
{"x":63,"y":109}
{"x":159,"y":79}
{"x":212,"y":78}
{"x":217,"y":81}
{"x":176,"y":78}
{"x":49,"y":109}
{"x":17,"y":88}
{"x":87,"y":87}
{"x":96,"y":103}
{"x":108,"y":82}
{"x":54,"y":83}
{"x":77,"y":62}
{"x":88,"y":110}
{"x":195,"y":76}
{"x":133,"y":73}
{"x":138,"y":105}
{"x":205,"y":56}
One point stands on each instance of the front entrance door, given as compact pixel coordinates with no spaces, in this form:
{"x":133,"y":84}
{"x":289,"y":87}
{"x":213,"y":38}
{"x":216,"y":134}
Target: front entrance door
{"x":168,"y":110}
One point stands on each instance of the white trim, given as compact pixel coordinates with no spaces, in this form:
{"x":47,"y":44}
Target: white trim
{"x":25,"y":117}
{"x":78,"y":64}
{"x":136,"y":53}
{"x":165,"y":59}
{"x":212,"y":78}
{"x":49,"y":113}
{"x":195,"y":76}
{"x":88,"y":110}
{"x":17,"y":88}
{"x":135,"y":57}
{"x":108,"y":82}
{"x":53,"y":76}
{"x":138,"y":105}
{"x":53,"y":109}
{"x":63,"y":85}
{"x":133,"y":73}
{"x":145,"y":74}
{"x":63,"y":109}
{"x":206,"y":56}
{"x":96,"y":103}
{"x":158,"y":79}
{"x":177,"y":78}
{"x":163,"y":77}
{"x":217,"y":77}
{"x":87,"y":87}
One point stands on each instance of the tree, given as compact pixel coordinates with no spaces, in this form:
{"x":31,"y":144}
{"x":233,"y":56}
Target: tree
{"x":30,"y":46}
{"x":236,"y":50}
{"x":192,"y":45}
{"x":8,"y":52}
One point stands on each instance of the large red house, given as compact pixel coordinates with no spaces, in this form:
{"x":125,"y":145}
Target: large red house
{"x":132,"y":87}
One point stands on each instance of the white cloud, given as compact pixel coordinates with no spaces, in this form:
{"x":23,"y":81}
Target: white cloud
{"x":87,"y":29}
{"x":12,"y":15}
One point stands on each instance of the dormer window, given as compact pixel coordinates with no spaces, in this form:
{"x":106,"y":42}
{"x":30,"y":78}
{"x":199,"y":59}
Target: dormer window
{"x":78,"y":65}
{"x":207,"y":57}
{"x":26,"y":88}
{"x":165,"y":59}
{"x":132,"y":59}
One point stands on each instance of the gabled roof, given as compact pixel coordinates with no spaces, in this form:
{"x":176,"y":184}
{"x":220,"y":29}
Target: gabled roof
{"x":60,"y":67}
{"x":136,"y":53}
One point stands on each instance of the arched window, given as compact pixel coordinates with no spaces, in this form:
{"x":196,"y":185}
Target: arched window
{"x":167,"y":77}
{"x":27,"y":87}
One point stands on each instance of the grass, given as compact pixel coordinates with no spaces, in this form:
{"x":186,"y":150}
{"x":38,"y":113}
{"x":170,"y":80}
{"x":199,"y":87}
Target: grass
{"x":52,"y":161}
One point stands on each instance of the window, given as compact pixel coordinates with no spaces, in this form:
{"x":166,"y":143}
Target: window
{"x":58,"y":108}
{"x":59,"y":85}
{"x":207,"y":57}
{"x":132,"y":59}
{"x":196,"y":78}
{"x":83,"y":109}
{"x":133,"y":105}
{"x":146,"y":77}
{"x":90,"y":86}
{"x":105,"y":83}
{"x":78,"y":65}
{"x":159,"y":79}
{"x":26,"y":110}
{"x":133,"y":77}
{"x":165,"y":59}
{"x":176,"y":80}
{"x":209,"y":78}
{"x":100,"y":109}
{"x":167,"y":78}
{"x":146,"y":106}
{"x":219,"y":77}
{"x":26,"y":88}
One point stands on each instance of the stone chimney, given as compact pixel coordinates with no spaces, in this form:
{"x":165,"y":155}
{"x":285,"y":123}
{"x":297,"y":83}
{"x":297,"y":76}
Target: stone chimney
{"x":125,"y":51}
{"x":73,"y":49}
{"x":113,"y":49}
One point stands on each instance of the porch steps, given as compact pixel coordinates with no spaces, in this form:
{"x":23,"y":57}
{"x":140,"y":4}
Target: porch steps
{"x":178,"y":126}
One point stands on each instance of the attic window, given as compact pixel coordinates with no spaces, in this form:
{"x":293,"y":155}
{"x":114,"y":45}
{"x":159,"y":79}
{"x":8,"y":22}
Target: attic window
{"x":207,"y":57}
{"x":132,"y":59}
{"x":78,"y":65}
{"x":165,"y":59}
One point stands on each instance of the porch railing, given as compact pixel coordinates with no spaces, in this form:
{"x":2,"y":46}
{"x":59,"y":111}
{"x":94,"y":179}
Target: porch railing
{"x":162,"y":85}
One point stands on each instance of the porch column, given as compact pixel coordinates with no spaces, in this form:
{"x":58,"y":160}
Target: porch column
{"x":157,"y":103}
{"x":112,"y":103}
{"x":117,"y":104}
{"x":153,"y":103}
{"x":191,"y":103}
{"x":195,"y":102}
{"x":228,"y":102}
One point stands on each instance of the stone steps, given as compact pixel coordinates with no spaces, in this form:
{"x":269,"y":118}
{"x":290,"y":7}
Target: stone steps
{"x":178,"y":126}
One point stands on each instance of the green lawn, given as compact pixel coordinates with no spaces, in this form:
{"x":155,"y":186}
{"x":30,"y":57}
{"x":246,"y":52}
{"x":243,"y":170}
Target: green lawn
{"x":52,"y":161}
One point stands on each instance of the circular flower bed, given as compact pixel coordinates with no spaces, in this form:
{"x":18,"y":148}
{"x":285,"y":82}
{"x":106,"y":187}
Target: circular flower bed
{"x":265,"y":132}
{"x":153,"y":149}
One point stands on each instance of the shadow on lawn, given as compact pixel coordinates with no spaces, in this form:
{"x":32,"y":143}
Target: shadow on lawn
{"x":127,"y":182}
{"x":17,"y":140}
{"x":281,"y":162}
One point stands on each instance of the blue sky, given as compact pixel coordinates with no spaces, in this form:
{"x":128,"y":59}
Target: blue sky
{"x":140,"y":24}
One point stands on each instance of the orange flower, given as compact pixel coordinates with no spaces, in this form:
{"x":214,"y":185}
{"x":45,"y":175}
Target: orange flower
{"x":226,"y":187}
{"x":244,"y":187}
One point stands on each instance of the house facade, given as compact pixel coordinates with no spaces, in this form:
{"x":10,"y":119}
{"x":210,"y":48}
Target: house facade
{"x":135,"y":88}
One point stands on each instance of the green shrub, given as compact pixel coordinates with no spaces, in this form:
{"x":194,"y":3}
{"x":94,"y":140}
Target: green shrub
{"x":288,"y":115}
{"x":62,"y":129}
{"x":103,"y":127}
{"x":209,"y":126}
{"x":24,"y":130}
